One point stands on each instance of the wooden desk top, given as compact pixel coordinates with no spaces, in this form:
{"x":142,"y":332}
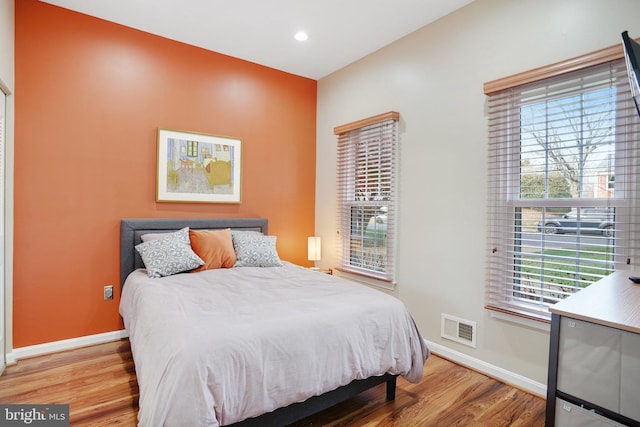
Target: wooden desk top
{"x":612,"y":301}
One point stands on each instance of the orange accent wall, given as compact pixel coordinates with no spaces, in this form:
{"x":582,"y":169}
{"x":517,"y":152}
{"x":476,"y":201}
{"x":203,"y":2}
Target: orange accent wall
{"x":89,"y":98}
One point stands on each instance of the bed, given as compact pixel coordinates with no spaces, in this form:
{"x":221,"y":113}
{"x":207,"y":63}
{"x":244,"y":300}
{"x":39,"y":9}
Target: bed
{"x":255,"y":346}
{"x":218,"y":172}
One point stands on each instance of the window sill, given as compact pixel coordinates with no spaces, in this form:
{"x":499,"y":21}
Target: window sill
{"x":364,"y":279}
{"x":524,"y":321}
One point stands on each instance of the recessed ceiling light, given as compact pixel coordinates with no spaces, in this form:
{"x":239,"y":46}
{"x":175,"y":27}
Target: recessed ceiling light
{"x":301,"y":36}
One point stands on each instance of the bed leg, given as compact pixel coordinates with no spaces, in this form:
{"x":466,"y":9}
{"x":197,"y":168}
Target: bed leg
{"x":391,"y":389}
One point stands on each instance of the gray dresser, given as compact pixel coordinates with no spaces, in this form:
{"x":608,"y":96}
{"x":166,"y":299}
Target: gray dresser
{"x":594,"y":356}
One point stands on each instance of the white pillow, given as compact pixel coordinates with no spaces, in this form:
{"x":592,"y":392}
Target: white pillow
{"x":153,"y":236}
{"x":169,"y":255}
{"x":254,"y":249}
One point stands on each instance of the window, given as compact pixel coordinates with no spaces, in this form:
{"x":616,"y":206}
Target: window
{"x":192,"y":148}
{"x":563,"y":187}
{"x":367,"y":154}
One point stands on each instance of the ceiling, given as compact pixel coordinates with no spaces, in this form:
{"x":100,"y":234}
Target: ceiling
{"x":261,"y":31}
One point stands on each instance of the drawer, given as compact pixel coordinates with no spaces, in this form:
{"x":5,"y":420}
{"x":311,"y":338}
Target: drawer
{"x":589,"y":362}
{"x":630,"y":377}
{"x":570,"y":415}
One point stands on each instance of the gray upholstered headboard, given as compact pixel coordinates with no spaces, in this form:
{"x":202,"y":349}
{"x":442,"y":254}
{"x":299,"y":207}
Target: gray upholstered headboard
{"x":131,"y":230}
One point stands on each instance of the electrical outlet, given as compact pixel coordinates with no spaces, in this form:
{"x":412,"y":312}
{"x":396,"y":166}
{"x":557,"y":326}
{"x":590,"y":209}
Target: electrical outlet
{"x":108,"y":292}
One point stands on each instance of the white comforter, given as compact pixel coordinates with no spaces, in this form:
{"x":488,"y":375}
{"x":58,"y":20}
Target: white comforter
{"x":216,"y":347}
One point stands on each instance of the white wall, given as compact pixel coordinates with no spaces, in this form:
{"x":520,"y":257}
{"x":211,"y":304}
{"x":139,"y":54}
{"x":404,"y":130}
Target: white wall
{"x":7,"y":77}
{"x":434,"y":79}
{"x":6,"y":42}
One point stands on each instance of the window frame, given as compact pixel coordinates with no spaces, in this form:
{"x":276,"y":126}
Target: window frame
{"x":347,"y":189}
{"x":508,"y":209}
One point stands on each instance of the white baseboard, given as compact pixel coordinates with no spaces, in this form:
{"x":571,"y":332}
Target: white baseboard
{"x":493,"y":371}
{"x":52,"y":347}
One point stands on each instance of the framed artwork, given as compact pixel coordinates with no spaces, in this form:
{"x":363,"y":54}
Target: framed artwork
{"x":198,"y":168}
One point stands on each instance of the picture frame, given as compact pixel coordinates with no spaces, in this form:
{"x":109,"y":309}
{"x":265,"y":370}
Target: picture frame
{"x":198,"y":168}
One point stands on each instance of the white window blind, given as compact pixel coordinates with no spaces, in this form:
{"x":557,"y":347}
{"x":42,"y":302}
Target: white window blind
{"x":563,"y":187}
{"x":367,"y":179}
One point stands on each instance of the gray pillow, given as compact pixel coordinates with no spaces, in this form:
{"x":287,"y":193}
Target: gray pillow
{"x":255,"y":249}
{"x":169,"y":255}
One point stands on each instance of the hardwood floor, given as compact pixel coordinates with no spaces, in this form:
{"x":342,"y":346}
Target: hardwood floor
{"x":100,"y":386}
{"x":98,"y":383}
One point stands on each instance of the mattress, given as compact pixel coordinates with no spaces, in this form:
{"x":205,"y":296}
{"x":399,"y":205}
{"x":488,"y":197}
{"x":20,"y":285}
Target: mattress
{"x":219,"y":346}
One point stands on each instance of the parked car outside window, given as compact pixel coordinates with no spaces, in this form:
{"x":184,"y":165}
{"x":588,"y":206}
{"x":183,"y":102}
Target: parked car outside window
{"x":590,"y":221}
{"x":376,"y":230}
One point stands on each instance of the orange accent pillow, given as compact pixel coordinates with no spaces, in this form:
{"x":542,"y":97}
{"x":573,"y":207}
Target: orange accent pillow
{"x":215,"y":247}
